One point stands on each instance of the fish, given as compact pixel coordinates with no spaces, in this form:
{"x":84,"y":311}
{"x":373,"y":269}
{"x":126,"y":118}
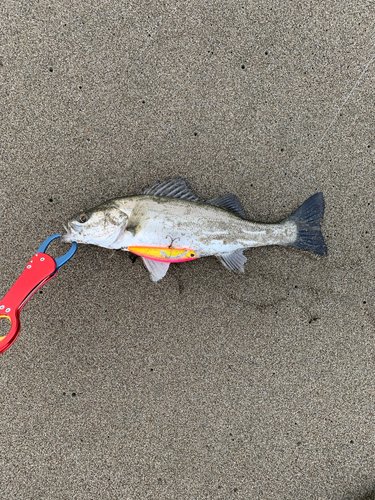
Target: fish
{"x":167,"y":221}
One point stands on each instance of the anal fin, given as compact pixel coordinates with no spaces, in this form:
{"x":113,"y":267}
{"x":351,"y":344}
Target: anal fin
{"x":234,"y":261}
{"x":156,"y":269}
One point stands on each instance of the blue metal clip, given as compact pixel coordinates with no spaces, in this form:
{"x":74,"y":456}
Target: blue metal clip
{"x":64,"y":258}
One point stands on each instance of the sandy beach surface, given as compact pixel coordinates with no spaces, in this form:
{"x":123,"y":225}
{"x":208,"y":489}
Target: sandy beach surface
{"x":205,"y":385}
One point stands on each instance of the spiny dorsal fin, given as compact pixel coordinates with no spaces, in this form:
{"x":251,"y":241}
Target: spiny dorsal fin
{"x":174,"y":188}
{"x":157,"y":269}
{"x":229,"y":202}
{"x":234,"y":261}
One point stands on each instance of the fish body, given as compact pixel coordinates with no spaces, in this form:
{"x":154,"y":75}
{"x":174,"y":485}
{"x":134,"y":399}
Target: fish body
{"x":169,"y":216}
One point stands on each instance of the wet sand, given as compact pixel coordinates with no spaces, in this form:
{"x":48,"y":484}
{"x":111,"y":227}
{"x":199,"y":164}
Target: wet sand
{"x":206,"y":385}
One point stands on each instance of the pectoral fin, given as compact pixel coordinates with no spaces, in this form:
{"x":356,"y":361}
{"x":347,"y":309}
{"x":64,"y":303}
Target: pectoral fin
{"x":234,"y":261}
{"x":157,"y":269}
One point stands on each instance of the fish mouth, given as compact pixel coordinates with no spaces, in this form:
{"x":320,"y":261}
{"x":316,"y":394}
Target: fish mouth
{"x":65,"y":238}
{"x":68,"y":237}
{"x":75,"y":227}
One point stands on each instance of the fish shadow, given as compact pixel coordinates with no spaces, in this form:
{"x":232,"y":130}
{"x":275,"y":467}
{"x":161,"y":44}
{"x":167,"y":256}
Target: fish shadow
{"x":367,"y":494}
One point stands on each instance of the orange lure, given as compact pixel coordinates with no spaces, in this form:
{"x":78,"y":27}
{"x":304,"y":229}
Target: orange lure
{"x":164,"y":254}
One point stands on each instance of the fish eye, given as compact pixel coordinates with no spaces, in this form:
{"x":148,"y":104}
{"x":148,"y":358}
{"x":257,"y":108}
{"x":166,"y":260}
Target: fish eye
{"x":83,"y":218}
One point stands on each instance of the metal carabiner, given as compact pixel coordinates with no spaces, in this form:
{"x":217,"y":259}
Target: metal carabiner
{"x":40,"y":269}
{"x":60,"y":261}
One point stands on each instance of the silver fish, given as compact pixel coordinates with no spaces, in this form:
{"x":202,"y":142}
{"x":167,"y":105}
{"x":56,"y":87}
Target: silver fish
{"x":170,"y":215}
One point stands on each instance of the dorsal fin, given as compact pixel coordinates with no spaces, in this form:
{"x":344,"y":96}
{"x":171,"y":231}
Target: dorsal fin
{"x":229,"y":202}
{"x":174,"y":188}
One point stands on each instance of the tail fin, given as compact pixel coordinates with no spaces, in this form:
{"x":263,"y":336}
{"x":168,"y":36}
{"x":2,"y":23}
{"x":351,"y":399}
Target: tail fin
{"x":307,"y":218}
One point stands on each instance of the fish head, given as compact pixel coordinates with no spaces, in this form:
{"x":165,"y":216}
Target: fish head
{"x":102,"y":226}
